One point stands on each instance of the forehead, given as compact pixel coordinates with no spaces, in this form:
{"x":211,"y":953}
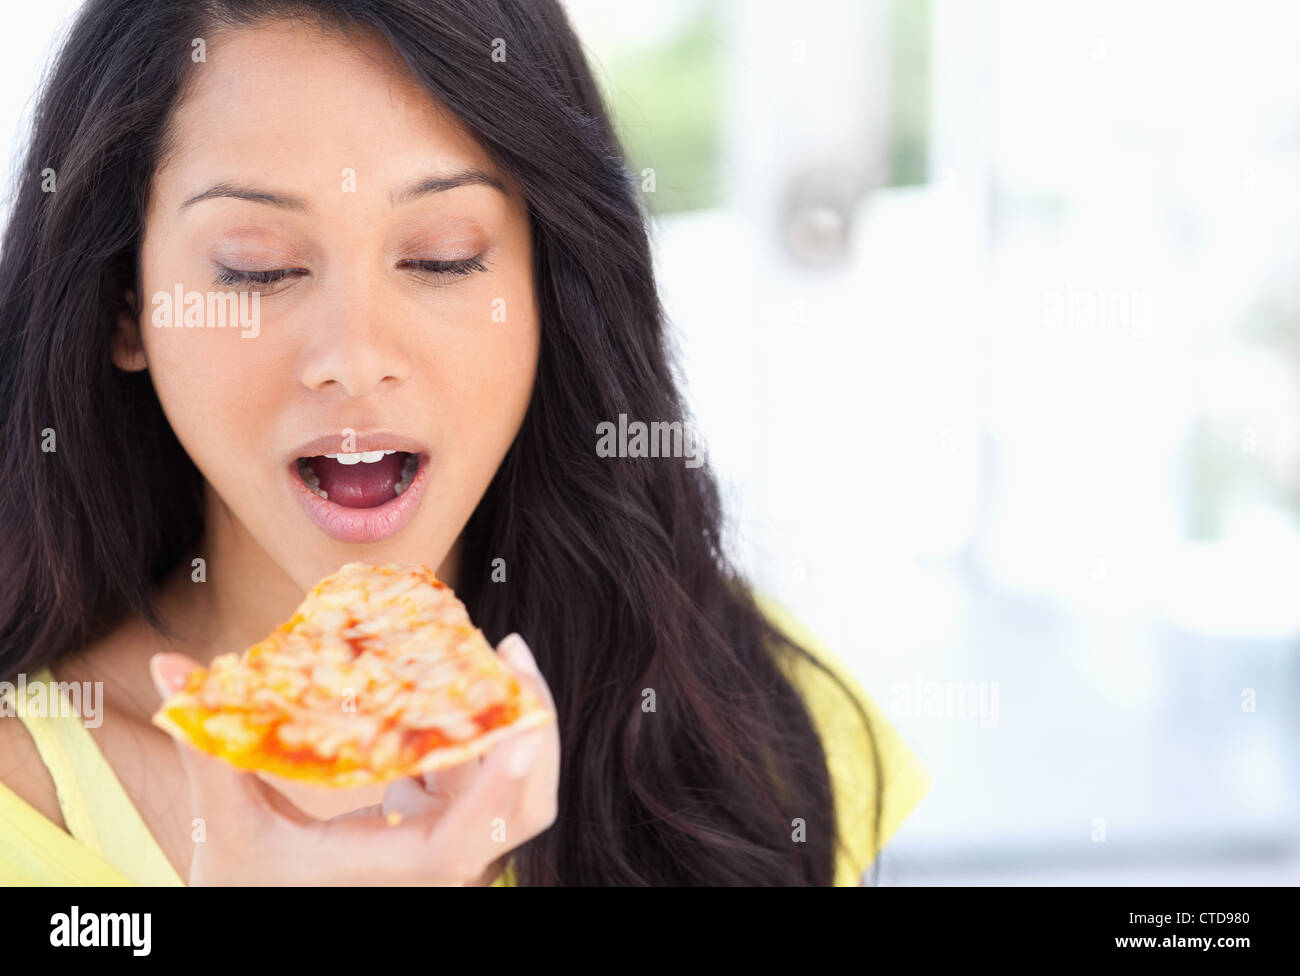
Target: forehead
{"x":283,"y":102}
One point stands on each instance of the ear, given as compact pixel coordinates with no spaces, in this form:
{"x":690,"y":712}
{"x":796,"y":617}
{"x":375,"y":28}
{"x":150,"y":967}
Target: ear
{"x":126,"y":348}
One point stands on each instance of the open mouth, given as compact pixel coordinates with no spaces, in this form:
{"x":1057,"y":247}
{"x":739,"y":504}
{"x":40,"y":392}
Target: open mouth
{"x":364,"y":497}
{"x":363,"y":480}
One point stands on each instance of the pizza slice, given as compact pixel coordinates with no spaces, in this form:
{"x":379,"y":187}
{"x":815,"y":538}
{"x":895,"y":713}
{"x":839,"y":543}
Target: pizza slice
{"x":378,"y":674}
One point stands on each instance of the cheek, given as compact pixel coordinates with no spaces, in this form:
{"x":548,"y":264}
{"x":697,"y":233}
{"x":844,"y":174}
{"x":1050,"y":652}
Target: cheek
{"x":211,"y":388}
{"x":484,"y":382}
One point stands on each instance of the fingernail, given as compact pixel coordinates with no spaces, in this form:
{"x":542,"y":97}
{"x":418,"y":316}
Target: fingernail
{"x":164,"y":687}
{"x":519,"y":654}
{"x":159,"y":684}
{"x":521,"y":759}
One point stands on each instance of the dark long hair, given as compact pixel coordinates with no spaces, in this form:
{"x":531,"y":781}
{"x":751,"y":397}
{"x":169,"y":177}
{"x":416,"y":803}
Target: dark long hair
{"x":616,"y":571}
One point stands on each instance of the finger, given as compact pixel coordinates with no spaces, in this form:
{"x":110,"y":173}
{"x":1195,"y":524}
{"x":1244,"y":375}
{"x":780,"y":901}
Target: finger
{"x":374,"y":810}
{"x":383,"y":852}
{"x":430,"y":793}
{"x":169,"y":672}
{"x":408,"y":798}
{"x":451,"y":781}
{"x":477,"y":829}
{"x":486,"y":806}
{"x":538,"y":799}
{"x":403,"y":798}
{"x":492,"y":817}
{"x":542,"y":782}
{"x":514,"y":650}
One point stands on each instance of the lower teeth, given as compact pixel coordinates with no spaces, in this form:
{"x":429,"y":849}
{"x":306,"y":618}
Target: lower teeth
{"x":310,"y":479}
{"x":409,"y":467}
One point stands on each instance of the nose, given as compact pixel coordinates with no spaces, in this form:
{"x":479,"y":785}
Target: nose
{"x":353,"y":346}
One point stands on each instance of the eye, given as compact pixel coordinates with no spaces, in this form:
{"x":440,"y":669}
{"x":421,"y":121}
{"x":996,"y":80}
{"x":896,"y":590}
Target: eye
{"x":435,"y":269}
{"x":234,"y":276}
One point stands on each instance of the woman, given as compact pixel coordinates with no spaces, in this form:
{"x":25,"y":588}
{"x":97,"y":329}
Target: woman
{"x":438,"y":254}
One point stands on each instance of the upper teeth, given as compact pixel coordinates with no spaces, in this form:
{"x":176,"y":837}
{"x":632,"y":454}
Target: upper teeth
{"x":366,"y":457}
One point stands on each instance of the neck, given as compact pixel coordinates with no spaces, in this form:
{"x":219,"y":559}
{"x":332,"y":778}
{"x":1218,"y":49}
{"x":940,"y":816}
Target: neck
{"x":240,"y":596}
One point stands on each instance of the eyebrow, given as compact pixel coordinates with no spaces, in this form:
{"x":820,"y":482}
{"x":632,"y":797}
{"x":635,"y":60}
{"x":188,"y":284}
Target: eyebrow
{"x":436,"y":184}
{"x":432,"y":184}
{"x":240,"y":192}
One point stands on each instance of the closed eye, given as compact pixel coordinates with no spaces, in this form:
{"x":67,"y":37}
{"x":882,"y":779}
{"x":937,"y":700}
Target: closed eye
{"x":233,"y":276}
{"x":462,"y":267}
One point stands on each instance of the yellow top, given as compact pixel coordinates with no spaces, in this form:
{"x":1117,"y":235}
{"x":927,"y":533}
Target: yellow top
{"x":107,"y":842}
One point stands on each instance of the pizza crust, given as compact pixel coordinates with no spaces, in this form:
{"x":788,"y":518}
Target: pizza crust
{"x":432,"y":761}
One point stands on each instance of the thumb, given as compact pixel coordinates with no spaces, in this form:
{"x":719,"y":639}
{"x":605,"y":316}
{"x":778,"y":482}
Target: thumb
{"x":213,"y":780}
{"x":169,"y":672}
{"x":208,"y":775}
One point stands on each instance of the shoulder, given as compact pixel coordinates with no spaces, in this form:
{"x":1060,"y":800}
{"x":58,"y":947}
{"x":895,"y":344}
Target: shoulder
{"x":833,"y":700}
{"x":23,"y":771}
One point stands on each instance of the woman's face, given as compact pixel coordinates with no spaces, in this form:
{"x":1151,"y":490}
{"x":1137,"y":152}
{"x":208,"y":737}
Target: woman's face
{"x":384,"y":311}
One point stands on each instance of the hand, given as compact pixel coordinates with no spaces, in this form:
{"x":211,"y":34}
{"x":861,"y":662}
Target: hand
{"x":447,"y":830}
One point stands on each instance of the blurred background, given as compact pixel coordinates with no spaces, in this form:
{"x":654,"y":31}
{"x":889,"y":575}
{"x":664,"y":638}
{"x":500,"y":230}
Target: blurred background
{"x":990,"y":314}
{"x":989,"y":311}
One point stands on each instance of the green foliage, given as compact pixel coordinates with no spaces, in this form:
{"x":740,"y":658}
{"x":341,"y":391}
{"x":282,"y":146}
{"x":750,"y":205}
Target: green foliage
{"x":909,"y":92}
{"x":666,"y":104}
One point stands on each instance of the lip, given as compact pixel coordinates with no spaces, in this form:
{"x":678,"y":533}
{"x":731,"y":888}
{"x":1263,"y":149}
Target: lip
{"x":379,"y":440}
{"x":361,"y":524}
